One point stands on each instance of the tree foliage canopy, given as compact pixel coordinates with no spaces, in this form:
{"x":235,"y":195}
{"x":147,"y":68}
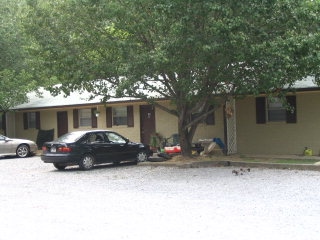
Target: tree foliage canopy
{"x":15,"y":78}
{"x":182,"y":50}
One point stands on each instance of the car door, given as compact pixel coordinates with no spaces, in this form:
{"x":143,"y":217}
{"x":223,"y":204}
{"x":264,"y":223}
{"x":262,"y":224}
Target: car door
{"x":2,"y":145}
{"x":100,"y":146}
{"x":6,"y":147}
{"x":131,"y":150}
{"x":118,"y":145}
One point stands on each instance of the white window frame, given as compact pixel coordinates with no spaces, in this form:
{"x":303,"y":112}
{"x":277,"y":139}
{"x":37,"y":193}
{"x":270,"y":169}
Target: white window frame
{"x":276,"y":111}
{"x":32,"y":120}
{"x":119,"y":116}
{"x":85,"y":117}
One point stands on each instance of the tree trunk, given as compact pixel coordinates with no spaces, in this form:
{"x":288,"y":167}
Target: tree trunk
{"x":185,"y":144}
{"x":185,"y":135}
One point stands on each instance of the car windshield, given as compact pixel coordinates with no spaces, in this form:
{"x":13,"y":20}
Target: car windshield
{"x":70,"y":137}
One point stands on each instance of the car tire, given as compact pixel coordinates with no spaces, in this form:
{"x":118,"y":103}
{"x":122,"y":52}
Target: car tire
{"x":58,"y":166}
{"x":23,"y":151}
{"x":142,"y":157}
{"x":86,"y":162}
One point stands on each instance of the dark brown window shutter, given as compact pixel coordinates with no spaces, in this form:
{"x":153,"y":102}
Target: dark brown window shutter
{"x":260,"y":110}
{"x":210,"y":120}
{"x":292,"y":115}
{"x":25,"y":120}
{"x":94,"y":122}
{"x":130,"y":117}
{"x":109,"y":117}
{"x":75,"y":118}
{"x":38,"y":120}
{"x":4,"y":122}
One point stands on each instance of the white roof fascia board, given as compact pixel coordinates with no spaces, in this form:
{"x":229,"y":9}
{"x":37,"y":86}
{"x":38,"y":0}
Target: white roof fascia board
{"x":46,"y":100}
{"x":77,"y":98}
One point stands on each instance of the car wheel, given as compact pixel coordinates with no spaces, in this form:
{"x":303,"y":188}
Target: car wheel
{"x":86,"y":162}
{"x":142,"y":156}
{"x":58,"y":166}
{"x":22,"y":151}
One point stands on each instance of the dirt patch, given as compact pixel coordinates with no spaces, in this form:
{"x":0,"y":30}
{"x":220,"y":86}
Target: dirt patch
{"x":182,"y":159}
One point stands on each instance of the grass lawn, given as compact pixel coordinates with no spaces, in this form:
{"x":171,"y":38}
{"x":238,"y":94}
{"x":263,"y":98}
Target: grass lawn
{"x":244,"y":158}
{"x":283,"y":161}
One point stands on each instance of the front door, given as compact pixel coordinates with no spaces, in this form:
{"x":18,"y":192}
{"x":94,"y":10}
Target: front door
{"x":147,"y":123}
{"x":62,"y":121}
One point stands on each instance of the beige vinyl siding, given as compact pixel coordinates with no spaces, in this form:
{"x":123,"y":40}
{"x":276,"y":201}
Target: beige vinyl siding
{"x":20,"y":132}
{"x":205,"y":131}
{"x":279,"y":137}
{"x":167,"y":124}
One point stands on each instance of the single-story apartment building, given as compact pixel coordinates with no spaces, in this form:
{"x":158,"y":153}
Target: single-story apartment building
{"x":250,"y":125}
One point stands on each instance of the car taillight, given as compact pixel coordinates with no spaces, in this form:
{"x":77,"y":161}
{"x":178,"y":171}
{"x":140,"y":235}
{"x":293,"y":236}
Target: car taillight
{"x":44,"y":148}
{"x":64,"y":149}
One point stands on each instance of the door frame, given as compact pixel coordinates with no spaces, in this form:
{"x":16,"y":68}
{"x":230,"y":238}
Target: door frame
{"x":147,"y":122}
{"x":62,"y":123}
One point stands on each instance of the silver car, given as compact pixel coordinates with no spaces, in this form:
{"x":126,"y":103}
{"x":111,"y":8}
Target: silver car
{"x":17,"y":147}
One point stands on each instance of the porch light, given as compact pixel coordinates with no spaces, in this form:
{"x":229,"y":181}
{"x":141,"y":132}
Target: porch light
{"x":97,"y":112}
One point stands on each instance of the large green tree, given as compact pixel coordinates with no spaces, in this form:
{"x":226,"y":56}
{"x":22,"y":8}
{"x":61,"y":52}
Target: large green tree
{"x":186,"y":51}
{"x":15,"y":75}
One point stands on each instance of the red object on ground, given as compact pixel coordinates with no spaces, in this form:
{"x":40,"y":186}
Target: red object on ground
{"x":175,"y":149}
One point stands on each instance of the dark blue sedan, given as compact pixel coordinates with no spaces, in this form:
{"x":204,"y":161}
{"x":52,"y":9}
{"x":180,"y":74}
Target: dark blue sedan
{"x":88,"y":148}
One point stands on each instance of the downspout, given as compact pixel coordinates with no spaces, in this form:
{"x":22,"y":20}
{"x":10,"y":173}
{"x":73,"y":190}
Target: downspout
{"x":225,"y":130}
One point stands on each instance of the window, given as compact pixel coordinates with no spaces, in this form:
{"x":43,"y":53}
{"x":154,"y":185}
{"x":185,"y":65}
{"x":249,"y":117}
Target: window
{"x":95,"y":138}
{"x":276,"y":110}
{"x":31,"y":120}
{"x":85,"y":117}
{"x":115,"y":138}
{"x":209,"y":120}
{"x":119,"y":115}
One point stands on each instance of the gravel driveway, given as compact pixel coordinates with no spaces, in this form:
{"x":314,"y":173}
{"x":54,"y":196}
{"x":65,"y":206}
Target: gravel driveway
{"x":147,"y":202}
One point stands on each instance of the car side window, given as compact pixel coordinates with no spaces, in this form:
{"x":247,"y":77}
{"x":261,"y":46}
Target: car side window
{"x":91,"y":138}
{"x":95,"y":138}
{"x":115,"y":138}
{"x":99,"y":138}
